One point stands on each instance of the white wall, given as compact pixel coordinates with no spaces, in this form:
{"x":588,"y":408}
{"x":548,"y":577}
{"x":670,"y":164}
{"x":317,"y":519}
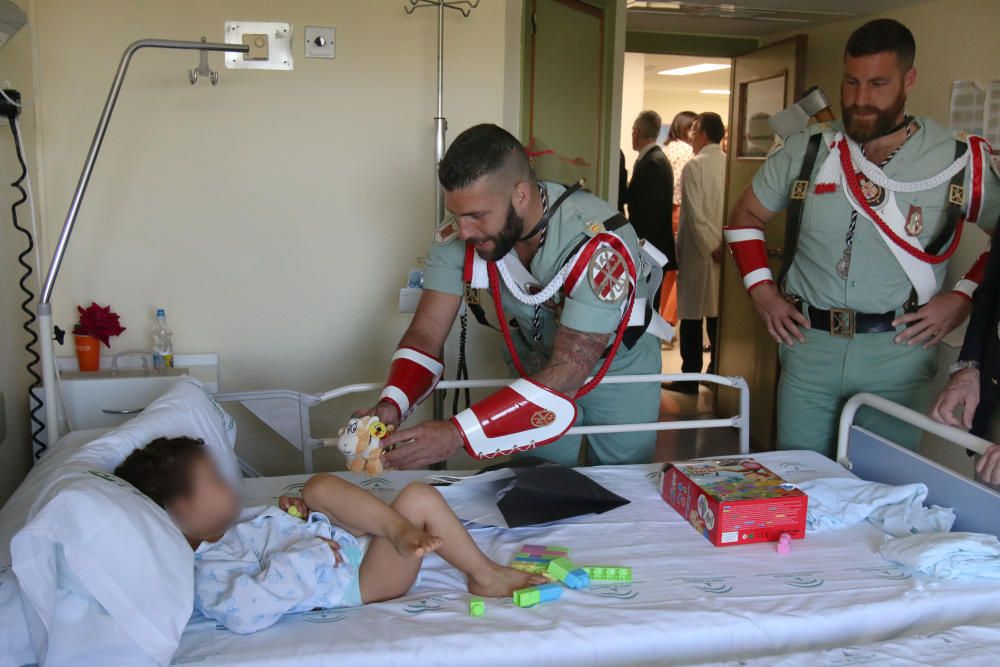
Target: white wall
{"x":15,"y":452}
{"x":276,"y":215}
{"x":633,"y":101}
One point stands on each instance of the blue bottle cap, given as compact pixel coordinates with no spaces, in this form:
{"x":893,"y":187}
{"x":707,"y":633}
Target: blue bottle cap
{"x":160,"y":312}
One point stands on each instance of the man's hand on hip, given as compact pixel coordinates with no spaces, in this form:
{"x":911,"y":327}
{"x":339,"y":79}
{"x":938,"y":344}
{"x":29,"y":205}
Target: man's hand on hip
{"x":934,"y":320}
{"x":422,"y":445}
{"x":962,"y":389}
{"x":782,"y":319}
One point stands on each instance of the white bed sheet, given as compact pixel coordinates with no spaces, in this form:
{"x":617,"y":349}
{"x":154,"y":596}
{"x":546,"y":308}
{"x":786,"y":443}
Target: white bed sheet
{"x":690,"y":602}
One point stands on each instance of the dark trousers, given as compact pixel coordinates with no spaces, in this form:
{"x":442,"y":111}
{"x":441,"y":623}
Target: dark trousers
{"x":691,"y":345}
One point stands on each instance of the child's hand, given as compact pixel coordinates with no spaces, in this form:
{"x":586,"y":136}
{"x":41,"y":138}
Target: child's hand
{"x":285,"y":502}
{"x":335,"y":547}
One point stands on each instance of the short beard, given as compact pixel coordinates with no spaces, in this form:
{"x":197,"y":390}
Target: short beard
{"x":504,"y":242}
{"x":885,"y":120}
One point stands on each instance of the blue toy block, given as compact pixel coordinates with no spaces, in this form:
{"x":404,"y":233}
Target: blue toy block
{"x":529,"y":597}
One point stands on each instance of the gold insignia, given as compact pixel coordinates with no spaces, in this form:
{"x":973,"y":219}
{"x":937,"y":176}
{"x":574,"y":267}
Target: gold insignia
{"x":956,"y":195}
{"x":799,"y":189}
{"x":542,"y":418}
{"x":594,"y":228}
{"x":471,"y":295}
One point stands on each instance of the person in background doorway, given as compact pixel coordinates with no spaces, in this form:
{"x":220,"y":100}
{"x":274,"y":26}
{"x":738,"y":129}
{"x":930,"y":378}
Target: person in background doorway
{"x":650,"y":192}
{"x":975,"y":377}
{"x":699,"y":243}
{"x":622,"y":180}
{"x":678,"y":151}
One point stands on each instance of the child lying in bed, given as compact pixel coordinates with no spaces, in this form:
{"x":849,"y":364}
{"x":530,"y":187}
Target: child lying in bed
{"x":249,"y":573}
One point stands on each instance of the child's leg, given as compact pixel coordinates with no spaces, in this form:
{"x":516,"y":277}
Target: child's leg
{"x":386,"y":575}
{"x":361,"y":513}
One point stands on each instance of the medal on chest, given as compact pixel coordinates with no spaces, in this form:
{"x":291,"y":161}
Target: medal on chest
{"x":914,"y":221}
{"x":873,"y":194}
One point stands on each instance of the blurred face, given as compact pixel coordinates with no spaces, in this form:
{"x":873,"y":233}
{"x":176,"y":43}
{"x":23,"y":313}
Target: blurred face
{"x":636,"y":141}
{"x":698,"y":138}
{"x":210,"y":506}
{"x":488,"y":217}
{"x":873,"y":94}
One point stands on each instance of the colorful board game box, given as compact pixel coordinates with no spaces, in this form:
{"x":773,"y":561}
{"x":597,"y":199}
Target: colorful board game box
{"x":734,"y":500}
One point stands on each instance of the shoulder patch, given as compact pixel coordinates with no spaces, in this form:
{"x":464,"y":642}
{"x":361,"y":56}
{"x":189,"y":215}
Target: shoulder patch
{"x":608,"y":275}
{"x":447,"y":231}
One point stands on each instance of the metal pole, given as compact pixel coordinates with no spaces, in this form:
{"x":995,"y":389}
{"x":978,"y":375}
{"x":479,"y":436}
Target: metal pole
{"x":44,"y":308}
{"x":440,"y":122}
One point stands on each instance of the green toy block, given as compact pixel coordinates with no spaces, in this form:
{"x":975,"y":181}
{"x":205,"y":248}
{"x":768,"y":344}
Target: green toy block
{"x":477,"y":607}
{"x":567,"y":572}
{"x":608,"y":573}
{"x":529,"y":597}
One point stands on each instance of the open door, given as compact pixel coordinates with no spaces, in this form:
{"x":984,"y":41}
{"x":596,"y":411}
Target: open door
{"x":566,"y":101}
{"x":763,"y":81}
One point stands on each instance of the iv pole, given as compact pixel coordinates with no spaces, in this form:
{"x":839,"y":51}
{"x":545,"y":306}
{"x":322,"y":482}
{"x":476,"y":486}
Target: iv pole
{"x":465,"y":7}
{"x":49,"y":372}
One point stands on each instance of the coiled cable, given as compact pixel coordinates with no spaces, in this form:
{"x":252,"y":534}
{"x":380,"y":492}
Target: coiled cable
{"x":36,"y":403}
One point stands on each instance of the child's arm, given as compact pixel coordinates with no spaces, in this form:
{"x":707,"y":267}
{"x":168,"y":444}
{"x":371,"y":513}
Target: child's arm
{"x":245,"y":601}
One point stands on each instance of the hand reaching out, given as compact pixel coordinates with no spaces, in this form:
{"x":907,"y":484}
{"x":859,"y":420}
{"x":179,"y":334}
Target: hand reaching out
{"x":962,"y":389}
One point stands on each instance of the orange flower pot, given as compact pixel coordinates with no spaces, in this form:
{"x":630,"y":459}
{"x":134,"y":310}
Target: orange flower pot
{"x":88,"y":352}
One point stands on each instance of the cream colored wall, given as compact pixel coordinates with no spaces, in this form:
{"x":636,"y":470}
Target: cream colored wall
{"x":956,"y":39}
{"x":669,"y":105}
{"x":274,"y":216}
{"x":15,"y":450}
{"x":633,"y":91}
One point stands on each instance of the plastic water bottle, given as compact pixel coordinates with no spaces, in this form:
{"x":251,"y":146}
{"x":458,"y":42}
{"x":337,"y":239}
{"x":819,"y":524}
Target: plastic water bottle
{"x":163,"y":347}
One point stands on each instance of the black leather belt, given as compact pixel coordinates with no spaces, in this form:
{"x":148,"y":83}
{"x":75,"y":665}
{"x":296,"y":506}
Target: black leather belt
{"x":844,"y":322}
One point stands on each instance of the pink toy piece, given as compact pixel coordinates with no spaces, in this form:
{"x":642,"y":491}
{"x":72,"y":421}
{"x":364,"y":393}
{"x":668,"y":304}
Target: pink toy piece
{"x":785,"y":544}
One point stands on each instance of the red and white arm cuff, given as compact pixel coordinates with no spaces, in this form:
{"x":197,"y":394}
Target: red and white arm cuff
{"x":522,"y":415}
{"x":750,"y":253}
{"x":972,"y":279}
{"x":412,"y":377}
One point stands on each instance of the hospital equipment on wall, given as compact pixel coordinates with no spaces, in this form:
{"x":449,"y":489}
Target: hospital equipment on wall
{"x":464,"y":7}
{"x":44,"y":308}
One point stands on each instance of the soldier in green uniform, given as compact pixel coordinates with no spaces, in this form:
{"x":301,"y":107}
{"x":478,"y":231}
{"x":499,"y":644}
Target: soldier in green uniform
{"x":876,"y":205}
{"x":571,"y":280}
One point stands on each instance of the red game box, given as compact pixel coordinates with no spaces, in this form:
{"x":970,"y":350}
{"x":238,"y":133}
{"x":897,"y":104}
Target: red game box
{"x":734,"y":500}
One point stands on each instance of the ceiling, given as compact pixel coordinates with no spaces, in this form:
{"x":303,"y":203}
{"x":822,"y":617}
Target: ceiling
{"x":691,"y":83}
{"x":747,"y":18}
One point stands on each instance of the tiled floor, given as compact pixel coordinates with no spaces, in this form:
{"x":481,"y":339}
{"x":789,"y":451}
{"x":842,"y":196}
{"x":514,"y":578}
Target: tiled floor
{"x":680,"y":445}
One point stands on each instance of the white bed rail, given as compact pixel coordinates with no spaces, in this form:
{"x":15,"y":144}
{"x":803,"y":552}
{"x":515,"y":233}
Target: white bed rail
{"x":278,"y":409}
{"x":949,"y":433}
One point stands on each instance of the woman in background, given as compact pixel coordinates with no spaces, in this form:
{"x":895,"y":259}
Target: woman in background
{"x":678,"y":151}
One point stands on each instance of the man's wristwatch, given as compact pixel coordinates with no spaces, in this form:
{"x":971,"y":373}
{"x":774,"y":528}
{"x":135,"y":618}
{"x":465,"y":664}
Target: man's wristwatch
{"x":962,"y":365}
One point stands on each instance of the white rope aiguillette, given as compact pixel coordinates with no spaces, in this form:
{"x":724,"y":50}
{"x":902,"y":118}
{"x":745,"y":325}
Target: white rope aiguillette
{"x":874,"y":174}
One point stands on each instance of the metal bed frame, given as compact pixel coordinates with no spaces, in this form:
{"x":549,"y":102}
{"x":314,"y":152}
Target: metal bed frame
{"x":875,"y":459}
{"x":286,"y":412}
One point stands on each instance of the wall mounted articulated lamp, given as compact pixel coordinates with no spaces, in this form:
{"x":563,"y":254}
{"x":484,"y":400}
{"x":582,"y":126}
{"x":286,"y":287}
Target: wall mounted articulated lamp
{"x":49,"y":377}
{"x":464,"y":7}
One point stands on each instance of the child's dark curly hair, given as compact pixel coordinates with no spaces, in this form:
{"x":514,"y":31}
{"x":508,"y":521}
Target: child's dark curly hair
{"x":162,"y":469}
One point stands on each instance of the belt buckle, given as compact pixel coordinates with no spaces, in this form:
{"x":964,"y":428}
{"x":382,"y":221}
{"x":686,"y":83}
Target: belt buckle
{"x":842,"y":322}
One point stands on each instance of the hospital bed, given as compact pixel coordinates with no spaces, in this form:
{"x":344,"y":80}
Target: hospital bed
{"x":689,"y":602}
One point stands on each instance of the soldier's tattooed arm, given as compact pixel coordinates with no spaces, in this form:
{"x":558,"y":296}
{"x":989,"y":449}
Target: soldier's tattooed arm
{"x":574,"y":356}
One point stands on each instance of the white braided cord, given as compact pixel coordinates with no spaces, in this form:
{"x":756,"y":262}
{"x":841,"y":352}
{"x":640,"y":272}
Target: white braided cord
{"x":874,"y":174}
{"x":533,"y":299}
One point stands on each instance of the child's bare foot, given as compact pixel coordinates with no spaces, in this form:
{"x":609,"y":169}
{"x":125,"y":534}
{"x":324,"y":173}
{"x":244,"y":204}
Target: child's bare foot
{"x":411,"y":542}
{"x":502,"y":581}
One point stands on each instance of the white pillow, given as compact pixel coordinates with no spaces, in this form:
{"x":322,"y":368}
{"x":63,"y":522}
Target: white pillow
{"x":187,"y":409}
{"x":148,"y":596}
{"x":99,"y":536}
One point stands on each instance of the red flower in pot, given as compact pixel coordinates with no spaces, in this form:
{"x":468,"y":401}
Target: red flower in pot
{"x":96,"y":324}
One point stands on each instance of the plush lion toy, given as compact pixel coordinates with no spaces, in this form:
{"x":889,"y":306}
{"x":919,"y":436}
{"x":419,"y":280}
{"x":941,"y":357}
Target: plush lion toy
{"x":361,"y":443}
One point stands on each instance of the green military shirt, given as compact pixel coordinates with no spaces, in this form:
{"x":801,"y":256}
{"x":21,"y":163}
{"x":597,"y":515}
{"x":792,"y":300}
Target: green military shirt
{"x":876,"y":283}
{"x":584,"y":311}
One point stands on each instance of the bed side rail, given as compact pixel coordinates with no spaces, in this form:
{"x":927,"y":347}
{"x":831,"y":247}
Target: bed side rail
{"x":287,"y":412}
{"x":873,"y":458}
